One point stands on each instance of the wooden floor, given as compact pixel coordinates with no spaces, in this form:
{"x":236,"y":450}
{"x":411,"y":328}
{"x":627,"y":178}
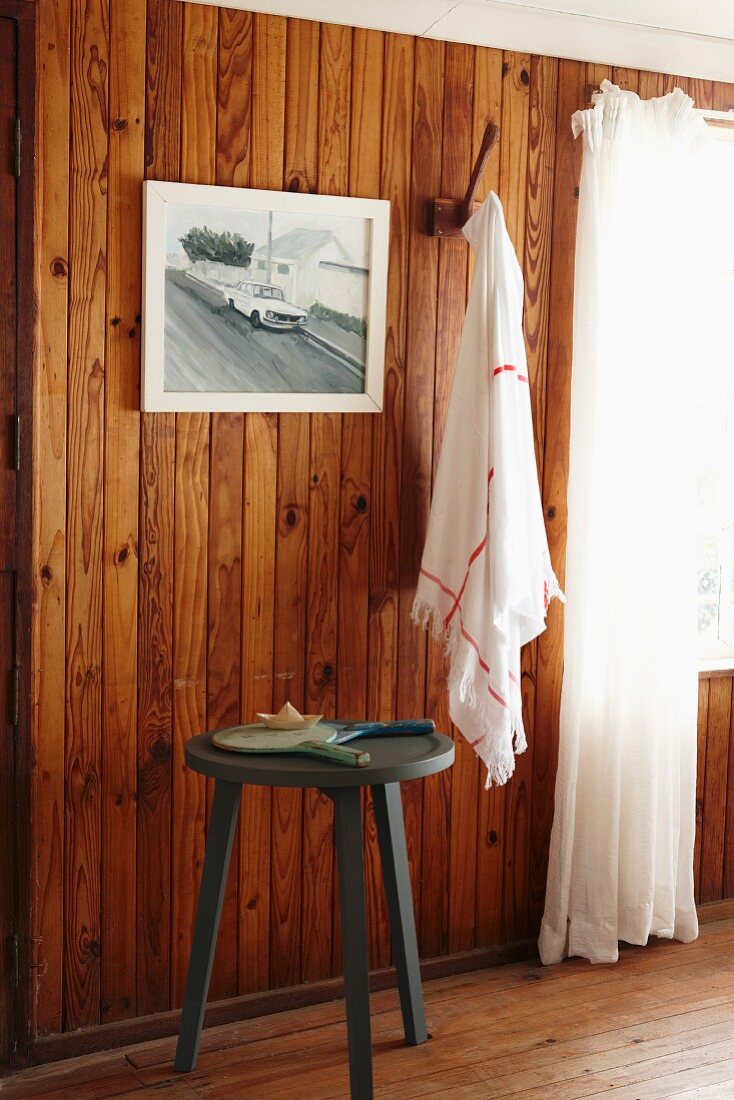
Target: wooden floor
{"x":658,"y":1024}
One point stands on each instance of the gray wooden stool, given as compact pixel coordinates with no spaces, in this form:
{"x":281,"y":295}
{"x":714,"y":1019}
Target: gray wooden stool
{"x":393,"y":760}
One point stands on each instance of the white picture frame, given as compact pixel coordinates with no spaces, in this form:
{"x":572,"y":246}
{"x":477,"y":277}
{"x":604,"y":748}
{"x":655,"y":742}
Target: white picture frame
{"x":186,"y":352}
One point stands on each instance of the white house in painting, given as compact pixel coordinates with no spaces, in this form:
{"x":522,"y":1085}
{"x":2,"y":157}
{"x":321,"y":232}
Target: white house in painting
{"x":311,"y":265}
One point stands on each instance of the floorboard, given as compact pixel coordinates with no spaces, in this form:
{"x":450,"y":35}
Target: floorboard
{"x":658,"y":1024}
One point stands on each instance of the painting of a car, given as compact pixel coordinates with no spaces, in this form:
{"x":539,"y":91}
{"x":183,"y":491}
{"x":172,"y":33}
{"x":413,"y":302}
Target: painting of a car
{"x":265,"y":306}
{"x":263,"y":301}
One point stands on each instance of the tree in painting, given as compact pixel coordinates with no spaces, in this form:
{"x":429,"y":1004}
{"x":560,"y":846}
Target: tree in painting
{"x":227,"y":248}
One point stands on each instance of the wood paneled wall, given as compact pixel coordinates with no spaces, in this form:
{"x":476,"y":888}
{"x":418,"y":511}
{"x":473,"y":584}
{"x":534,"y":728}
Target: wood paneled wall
{"x":193,"y":569}
{"x":714,"y":855}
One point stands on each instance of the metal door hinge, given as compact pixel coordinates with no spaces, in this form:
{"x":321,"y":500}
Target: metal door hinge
{"x":15,"y":697}
{"x":17,"y":142}
{"x":16,"y":446}
{"x":14,"y":963}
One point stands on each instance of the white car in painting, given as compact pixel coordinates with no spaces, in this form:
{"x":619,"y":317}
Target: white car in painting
{"x":264,"y":305}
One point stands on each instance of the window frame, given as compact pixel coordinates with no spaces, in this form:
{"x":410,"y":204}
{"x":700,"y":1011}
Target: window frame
{"x":717,"y":663}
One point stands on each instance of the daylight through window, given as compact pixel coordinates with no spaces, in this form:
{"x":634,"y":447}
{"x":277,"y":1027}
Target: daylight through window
{"x":715,"y":450}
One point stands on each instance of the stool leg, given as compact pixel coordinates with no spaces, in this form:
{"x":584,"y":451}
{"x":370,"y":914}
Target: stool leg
{"x":350,"y":864}
{"x":394,"y":855}
{"x":220,"y":835}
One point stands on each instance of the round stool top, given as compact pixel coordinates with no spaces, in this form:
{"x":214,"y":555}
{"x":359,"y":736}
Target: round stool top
{"x":392,"y":760}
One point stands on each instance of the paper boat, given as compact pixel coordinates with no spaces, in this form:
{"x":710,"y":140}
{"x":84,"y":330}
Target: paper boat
{"x":288,"y":718}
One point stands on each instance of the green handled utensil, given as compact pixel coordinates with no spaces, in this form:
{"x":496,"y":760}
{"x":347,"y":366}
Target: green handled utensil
{"x":316,"y":741}
{"x":323,"y":740}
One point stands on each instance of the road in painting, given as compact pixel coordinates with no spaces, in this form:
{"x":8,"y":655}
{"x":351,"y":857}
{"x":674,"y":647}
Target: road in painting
{"x":264,"y":302}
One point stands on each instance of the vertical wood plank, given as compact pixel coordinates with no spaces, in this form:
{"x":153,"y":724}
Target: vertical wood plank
{"x":198,"y":145}
{"x":387,"y":429}
{"x":52,"y":221}
{"x":509,"y":806}
{"x":572,"y":80}
{"x":384,"y":563}
{"x":594,"y":76}
{"x":488,"y":84}
{"x":20,"y":348}
{"x":723,"y":96}
{"x":323,"y":550}
{"x":356,"y":473}
{"x":155,"y":712}
{"x":85,"y":458}
{"x":155,"y":597}
{"x":300,"y":174}
{"x":356,"y":486}
{"x":715,"y":788}
{"x":670,"y":81}
{"x":234,"y":97}
{"x":11,"y":384}
{"x":703,"y":94}
{"x":468,"y":800}
{"x":234,"y":124}
{"x":224,"y":613}
{"x":538,"y":230}
{"x":538,"y":236}
{"x":440,"y":816}
{"x":322,"y":670}
{"x":702,"y":734}
{"x":7,"y":803}
{"x":452,"y":822}
{"x":289,"y":530}
{"x":514,"y":144}
{"x":418,"y":418}
{"x":650,"y":85}
{"x":258,"y":551}
{"x":290,"y":662}
{"x":627,"y":79}
{"x":234,"y":168}
{"x":514,"y":156}
{"x":728,"y":884}
{"x":120,"y":551}
{"x":258,"y":568}
{"x":302,"y":106}
{"x":189,"y":684}
{"x":234,"y":62}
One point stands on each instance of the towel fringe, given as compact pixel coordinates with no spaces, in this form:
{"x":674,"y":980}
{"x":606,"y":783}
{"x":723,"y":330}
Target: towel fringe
{"x":555,"y":592}
{"x":499,"y":746}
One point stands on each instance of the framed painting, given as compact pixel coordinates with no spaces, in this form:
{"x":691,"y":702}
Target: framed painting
{"x":262,"y":301}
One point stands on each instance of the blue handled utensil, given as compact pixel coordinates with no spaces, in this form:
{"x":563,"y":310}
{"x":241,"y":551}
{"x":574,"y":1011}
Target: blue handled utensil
{"x":406,"y":728}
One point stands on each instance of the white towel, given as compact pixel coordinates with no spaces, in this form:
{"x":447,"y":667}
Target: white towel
{"x":486,"y":578}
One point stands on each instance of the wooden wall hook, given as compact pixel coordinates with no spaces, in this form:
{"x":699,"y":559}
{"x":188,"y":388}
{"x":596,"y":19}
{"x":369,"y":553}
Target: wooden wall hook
{"x":447,"y":216}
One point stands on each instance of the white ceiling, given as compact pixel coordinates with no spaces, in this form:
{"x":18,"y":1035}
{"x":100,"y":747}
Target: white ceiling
{"x":708,"y":17}
{"x":684,"y":37}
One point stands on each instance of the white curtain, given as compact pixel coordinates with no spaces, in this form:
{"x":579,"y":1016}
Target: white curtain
{"x":621,"y":856}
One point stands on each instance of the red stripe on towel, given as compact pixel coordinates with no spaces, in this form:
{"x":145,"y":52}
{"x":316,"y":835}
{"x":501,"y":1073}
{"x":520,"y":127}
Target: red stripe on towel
{"x":473,"y":557}
{"x":514,"y":370}
{"x":440,"y":583}
{"x":482,"y":662}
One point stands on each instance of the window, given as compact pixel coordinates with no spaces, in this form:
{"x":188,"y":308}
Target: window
{"x":715,"y":442}
{"x":283,"y":269}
